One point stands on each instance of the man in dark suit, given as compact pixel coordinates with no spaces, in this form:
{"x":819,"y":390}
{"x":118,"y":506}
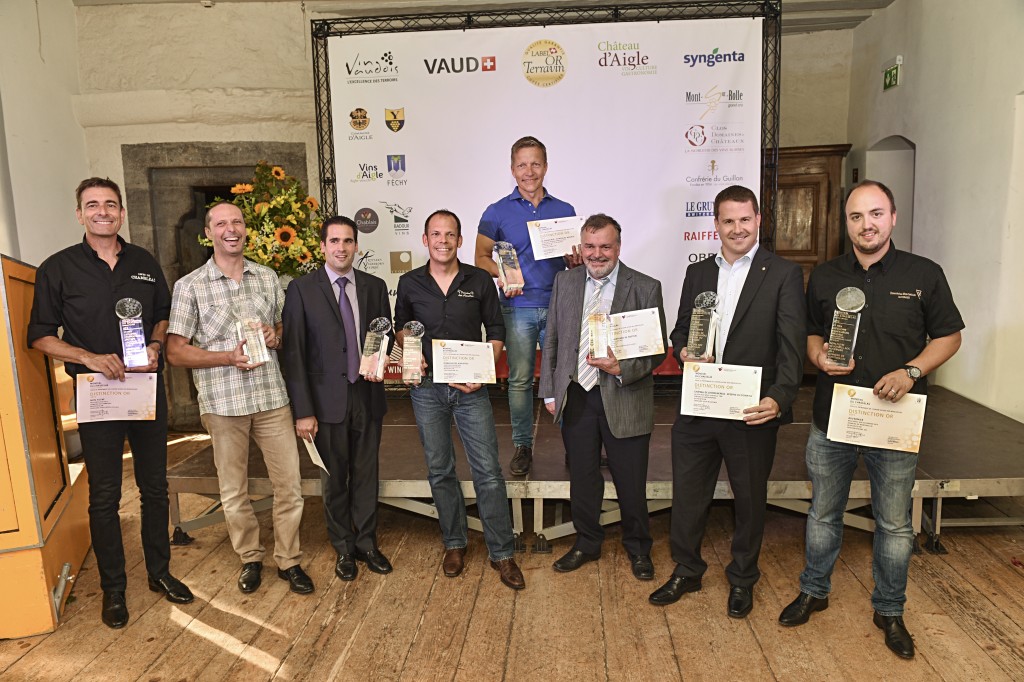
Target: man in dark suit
{"x":619,"y":415}
{"x":761,"y":304}
{"x":326,"y":316}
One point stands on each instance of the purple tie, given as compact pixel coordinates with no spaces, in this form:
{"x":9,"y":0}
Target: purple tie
{"x":348,"y":318}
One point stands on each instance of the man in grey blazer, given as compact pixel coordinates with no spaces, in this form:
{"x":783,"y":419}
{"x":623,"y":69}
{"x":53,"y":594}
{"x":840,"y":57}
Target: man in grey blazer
{"x":601,"y":401}
{"x":761,"y":304}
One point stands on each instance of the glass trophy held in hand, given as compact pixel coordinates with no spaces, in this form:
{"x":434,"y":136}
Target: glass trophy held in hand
{"x":133,"y":336}
{"x":704,"y":320}
{"x":250,"y":329}
{"x":845,"y":324}
{"x":412,"y":352}
{"x":375,"y":347}
{"x":509,"y":271}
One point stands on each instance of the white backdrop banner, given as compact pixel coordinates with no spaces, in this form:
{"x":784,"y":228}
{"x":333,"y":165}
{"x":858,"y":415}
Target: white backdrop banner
{"x":643,"y":121}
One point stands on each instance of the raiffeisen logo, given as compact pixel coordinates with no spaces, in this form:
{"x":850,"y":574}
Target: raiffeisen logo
{"x":712,"y":58}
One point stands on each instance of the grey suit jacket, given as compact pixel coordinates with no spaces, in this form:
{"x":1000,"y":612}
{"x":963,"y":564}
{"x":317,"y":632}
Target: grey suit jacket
{"x":629,"y":406}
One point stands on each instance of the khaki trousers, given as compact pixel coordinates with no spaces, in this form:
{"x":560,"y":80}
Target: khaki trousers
{"x":274,"y":433}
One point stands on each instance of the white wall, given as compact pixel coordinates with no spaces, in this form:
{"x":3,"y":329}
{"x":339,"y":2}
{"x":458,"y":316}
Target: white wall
{"x":45,"y":146}
{"x":961,"y":75}
{"x":815,"y":88}
{"x":184,"y":73}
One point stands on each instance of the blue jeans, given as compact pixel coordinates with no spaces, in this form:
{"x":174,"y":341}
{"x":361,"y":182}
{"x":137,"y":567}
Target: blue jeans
{"x":831,"y":466}
{"x":524,"y":329}
{"x":434,"y":406}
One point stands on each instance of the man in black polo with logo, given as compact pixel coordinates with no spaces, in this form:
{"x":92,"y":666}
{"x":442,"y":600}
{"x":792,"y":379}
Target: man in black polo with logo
{"x":453,"y":301}
{"x":77,"y":289}
{"x":908,"y":328}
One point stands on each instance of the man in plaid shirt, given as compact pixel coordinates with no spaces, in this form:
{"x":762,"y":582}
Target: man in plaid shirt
{"x":239,"y":399}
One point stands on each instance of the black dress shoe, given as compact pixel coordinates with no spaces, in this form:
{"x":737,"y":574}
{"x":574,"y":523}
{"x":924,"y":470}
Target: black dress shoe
{"x":375,"y":561}
{"x":249,"y":581}
{"x":346,"y":568}
{"x":298,"y":581}
{"x":676,"y":587}
{"x":741,"y":601}
{"x":643,"y":567}
{"x":174,"y":590}
{"x":115,"y":610}
{"x":521,"y":460}
{"x":799,"y":612}
{"x":897,"y":638}
{"x":573,"y":559}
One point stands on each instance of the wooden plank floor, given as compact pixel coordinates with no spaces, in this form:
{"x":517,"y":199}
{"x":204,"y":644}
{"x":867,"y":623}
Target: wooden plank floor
{"x":966,"y":610}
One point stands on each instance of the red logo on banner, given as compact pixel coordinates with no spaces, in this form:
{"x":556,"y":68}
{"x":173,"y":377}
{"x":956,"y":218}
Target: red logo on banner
{"x":489,"y":64}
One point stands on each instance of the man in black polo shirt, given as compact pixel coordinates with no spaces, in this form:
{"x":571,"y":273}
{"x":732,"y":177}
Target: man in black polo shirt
{"x":909,"y":327}
{"x":77,"y":289}
{"x":453,"y":300}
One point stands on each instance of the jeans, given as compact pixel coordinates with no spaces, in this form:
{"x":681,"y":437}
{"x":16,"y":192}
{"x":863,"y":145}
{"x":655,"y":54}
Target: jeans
{"x":524,"y":329}
{"x":831,"y":466}
{"x":434,"y":406}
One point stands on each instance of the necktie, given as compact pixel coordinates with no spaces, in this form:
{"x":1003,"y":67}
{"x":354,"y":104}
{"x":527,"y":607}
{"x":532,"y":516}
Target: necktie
{"x":588,"y":373}
{"x":348,"y":319}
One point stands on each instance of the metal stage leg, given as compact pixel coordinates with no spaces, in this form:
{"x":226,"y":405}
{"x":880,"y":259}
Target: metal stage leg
{"x":934,"y":542}
{"x":610,"y":515}
{"x":179,"y":537}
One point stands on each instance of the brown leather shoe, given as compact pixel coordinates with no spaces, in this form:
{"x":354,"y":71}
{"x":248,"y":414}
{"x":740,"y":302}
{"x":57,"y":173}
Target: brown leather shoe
{"x":453,"y":561}
{"x":510,"y":573}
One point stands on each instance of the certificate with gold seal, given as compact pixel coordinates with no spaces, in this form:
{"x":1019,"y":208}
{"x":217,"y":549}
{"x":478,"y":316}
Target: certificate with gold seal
{"x":860,"y":417}
{"x":555,"y":237}
{"x":720,"y":391}
{"x":463,"y":362}
{"x":635,"y":334}
{"x":99,"y":399}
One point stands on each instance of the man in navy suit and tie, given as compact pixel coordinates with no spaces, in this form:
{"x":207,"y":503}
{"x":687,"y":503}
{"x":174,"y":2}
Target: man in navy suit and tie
{"x":326,"y":316}
{"x":761,"y":304}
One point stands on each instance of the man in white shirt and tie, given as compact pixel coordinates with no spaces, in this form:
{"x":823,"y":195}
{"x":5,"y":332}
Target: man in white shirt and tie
{"x":761,"y":303}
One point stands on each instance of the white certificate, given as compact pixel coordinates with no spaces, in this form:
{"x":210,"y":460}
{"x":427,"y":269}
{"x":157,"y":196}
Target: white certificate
{"x":721,"y":391}
{"x":314,"y":454}
{"x":860,"y":417}
{"x":101,"y":399}
{"x":463,"y":362}
{"x":636,"y":333}
{"x":554,"y":238}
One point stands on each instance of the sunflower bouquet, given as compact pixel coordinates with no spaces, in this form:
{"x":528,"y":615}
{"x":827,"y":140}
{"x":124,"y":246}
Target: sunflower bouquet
{"x":282,"y":222}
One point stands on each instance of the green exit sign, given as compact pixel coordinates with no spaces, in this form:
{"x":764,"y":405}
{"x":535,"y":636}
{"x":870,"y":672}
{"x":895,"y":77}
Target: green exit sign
{"x":891,"y":77}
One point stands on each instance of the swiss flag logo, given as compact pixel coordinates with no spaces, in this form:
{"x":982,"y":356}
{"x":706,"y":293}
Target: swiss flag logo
{"x":488,"y":64}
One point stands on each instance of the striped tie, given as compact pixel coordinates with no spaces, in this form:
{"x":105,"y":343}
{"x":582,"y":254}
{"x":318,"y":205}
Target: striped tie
{"x":588,"y":373}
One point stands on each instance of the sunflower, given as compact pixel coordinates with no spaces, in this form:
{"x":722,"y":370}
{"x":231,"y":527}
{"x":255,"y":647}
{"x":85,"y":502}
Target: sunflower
{"x":241,"y":188}
{"x":260,"y":208}
{"x":312,"y":203}
{"x":285,"y":235}
{"x":304,"y":257}
{"x":277,"y":172}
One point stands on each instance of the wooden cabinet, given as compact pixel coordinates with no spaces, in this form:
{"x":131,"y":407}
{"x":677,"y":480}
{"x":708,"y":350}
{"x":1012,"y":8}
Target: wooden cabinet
{"x":809,"y":224}
{"x":44,"y":522}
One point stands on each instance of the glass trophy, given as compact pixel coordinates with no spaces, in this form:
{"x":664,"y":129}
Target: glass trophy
{"x":703,"y":326}
{"x":412,"y":352}
{"x":250,"y":329}
{"x":133,"y":336}
{"x":845,"y":324}
{"x":375,"y":347}
{"x":509,"y":271}
{"x":600,"y":338}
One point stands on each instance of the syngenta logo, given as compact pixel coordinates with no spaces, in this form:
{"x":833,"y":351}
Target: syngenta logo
{"x":712,"y":58}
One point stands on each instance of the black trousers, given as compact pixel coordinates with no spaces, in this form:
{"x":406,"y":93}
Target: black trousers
{"x":584,"y":431}
{"x":350,"y":451}
{"x":103,"y":448}
{"x":698,"y":448}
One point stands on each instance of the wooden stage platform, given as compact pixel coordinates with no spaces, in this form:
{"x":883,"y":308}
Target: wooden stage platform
{"x":968,"y":451}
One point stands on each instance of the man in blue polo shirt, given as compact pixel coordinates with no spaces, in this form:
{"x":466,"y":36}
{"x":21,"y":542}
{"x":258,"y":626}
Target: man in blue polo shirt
{"x":525,"y":310}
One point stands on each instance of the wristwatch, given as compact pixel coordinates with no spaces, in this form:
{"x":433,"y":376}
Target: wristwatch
{"x":913,"y":372}
{"x":159,"y":343}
